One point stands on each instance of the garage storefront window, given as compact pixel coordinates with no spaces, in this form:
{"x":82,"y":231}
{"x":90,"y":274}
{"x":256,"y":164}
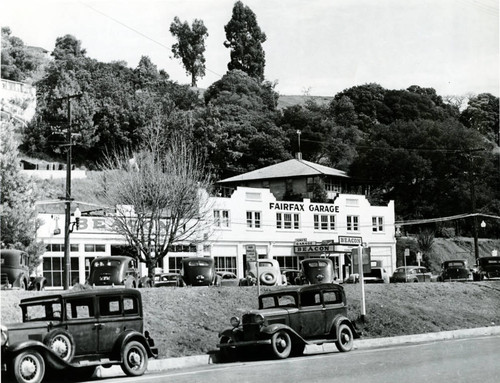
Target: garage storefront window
{"x":288,"y":221}
{"x":225,"y":264}
{"x":53,"y":271}
{"x":90,"y":248}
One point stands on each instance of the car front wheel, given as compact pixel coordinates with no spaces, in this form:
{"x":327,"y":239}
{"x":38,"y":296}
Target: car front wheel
{"x":345,"y":340}
{"x":281,"y":344}
{"x":134,"y":359}
{"x":28,"y":367}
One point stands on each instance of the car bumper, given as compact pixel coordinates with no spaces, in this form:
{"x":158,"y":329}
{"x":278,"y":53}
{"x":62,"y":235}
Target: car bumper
{"x":245,"y":343}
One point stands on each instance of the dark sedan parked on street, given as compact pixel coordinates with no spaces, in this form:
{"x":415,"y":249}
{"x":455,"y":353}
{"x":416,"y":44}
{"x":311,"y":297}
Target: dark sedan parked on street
{"x":317,"y":270}
{"x":75,"y":332}
{"x":487,"y":267}
{"x":288,"y":319}
{"x":454,"y":270}
{"x":199,"y":271}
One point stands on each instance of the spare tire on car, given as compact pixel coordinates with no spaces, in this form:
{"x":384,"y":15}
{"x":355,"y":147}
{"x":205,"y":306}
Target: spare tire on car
{"x":268,"y":278}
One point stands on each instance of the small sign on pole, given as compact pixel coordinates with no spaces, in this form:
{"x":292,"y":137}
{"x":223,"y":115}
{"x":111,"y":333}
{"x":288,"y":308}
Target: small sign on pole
{"x":252,"y":256}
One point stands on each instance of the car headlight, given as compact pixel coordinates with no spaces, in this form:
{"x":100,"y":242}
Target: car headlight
{"x":259,"y":319}
{"x":5,"y":335}
{"x":235,"y":321}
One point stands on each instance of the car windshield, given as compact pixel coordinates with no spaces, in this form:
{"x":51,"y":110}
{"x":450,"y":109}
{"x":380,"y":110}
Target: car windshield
{"x":317,"y":264}
{"x":400,"y":270}
{"x":265,"y":264}
{"x":42,"y":311}
{"x":455,"y":264}
{"x":493,"y":261}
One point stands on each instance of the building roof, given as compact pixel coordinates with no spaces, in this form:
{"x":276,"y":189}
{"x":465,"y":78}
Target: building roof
{"x":287,"y":169}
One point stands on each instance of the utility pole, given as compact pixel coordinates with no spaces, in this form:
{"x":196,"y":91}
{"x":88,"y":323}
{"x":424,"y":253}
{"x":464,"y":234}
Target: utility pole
{"x":68,"y":199}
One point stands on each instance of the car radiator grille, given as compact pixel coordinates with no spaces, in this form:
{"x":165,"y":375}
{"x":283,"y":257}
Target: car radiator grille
{"x":251,"y":330}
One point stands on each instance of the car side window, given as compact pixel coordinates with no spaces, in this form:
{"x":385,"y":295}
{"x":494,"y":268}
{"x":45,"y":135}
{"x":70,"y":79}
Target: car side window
{"x":80,"y":308}
{"x":109,"y":306}
{"x":310,"y":298}
{"x":332,"y":297}
{"x":130,"y":306}
{"x":287,"y":301}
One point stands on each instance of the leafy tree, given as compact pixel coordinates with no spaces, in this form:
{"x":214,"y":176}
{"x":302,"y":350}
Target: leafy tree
{"x":423,"y":164}
{"x":17,"y":209}
{"x":190,"y":46}
{"x":239,"y":122}
{"x":482,"y":114}
{"x":244,"y":38}
{"x":163,"y":185}
{"x":19,"y":62}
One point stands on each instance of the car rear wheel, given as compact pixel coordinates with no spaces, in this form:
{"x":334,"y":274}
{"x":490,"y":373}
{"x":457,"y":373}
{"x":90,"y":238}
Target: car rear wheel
{"x":62,"y":343}
{"x":345,"y":338}
{"x":281,"y":344}
{"x":134,"y":359}
{"x":28,"y":367}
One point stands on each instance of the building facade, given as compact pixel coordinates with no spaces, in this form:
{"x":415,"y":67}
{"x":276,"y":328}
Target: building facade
{"x":288,"y":231}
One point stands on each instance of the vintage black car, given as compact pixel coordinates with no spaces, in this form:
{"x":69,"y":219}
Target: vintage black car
{"x":199,"y":271}
{"x":167,"y":280}
{"x":487,"y":267}
{"x":288,"y":319}
{"x":317,"y":270}
{"x":15,"y":273}
{"x":411,"y":274}
{"x":116,"y":270}
{"x":76,"y":332}
{"x":454,"y":270}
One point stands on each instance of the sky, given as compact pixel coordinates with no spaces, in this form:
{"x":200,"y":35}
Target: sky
{"x":314,"y":47}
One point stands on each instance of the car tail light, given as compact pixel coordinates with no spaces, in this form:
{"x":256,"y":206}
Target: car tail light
{"x":5,"y":335}
{"x":235,"y":321}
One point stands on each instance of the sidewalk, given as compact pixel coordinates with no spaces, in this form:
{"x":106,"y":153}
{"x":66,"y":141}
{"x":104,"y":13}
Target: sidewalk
{"x":360,"y":344}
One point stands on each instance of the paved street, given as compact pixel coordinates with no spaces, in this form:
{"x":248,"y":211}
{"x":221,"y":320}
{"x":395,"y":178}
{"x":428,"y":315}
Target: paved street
{"x":460,"y":360}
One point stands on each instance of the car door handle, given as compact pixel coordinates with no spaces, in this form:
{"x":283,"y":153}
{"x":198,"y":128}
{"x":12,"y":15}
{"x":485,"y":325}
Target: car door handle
{"x":99,"y":325}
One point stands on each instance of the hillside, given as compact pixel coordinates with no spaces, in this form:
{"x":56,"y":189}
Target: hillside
{"x":186,"y":321}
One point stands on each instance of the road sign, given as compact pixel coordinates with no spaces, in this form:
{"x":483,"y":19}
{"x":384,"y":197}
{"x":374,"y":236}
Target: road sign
{"x":251,"y":253}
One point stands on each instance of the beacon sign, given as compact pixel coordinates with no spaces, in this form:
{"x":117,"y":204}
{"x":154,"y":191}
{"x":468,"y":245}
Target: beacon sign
{"x":350,"y":241}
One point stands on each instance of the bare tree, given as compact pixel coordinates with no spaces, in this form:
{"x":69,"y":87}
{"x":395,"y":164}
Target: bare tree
{"x":161,"y":195}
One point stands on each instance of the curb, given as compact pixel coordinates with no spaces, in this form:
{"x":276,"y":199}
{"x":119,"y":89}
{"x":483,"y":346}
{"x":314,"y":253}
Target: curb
{"x":201,"y":360}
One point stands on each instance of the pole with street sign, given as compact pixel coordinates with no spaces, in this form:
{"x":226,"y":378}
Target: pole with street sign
{"x":251,"y":252}
{"x":361,"y":282}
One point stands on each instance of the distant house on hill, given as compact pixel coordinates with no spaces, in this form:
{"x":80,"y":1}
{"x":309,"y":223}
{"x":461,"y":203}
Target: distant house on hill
{"x":295,"y":179}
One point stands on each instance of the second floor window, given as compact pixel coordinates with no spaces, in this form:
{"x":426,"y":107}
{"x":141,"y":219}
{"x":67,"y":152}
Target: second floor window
{"x":288,"y":221}
{"x":324,"y":222}
{"x":253,"y":219}
{"x":377,"y":224}
{"x":221,"y":218}
{"x":352,"y":223}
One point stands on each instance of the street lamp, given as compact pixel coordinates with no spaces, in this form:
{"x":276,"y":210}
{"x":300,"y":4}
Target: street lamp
{"x":77,"y":214}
